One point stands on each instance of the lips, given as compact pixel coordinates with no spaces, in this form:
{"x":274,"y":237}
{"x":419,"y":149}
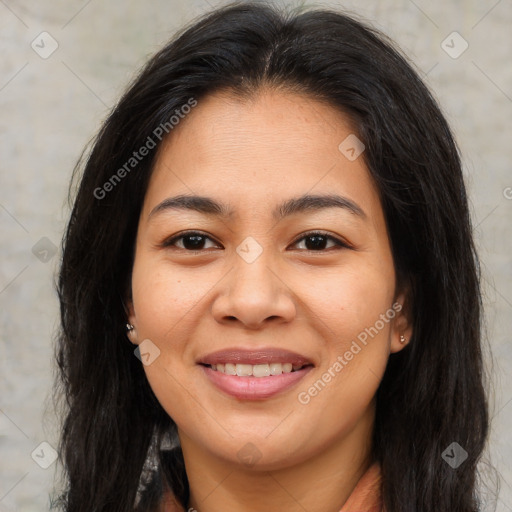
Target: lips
{"x":232,"y":371}
{"x":254,"y":357}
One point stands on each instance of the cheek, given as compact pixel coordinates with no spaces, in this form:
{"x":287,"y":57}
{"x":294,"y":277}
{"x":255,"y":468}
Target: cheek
{"x":163,"y":297}
{"x":350,"y":300}
{"x":355,"y":309}
{"x":164,"y":303}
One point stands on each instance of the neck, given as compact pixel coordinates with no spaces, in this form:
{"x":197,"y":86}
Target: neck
{"x":323,"y":481}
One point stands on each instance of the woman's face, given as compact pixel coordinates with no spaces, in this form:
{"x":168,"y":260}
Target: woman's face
{"x":249,"y":287}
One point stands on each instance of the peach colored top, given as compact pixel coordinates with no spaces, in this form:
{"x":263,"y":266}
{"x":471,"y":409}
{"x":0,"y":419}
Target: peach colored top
{"x":366,"y":496}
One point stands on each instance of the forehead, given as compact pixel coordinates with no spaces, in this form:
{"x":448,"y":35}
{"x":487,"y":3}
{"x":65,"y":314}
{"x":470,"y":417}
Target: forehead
{"x":256,"y":151}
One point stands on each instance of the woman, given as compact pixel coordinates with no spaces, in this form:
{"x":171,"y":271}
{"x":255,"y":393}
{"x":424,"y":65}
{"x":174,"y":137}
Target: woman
{"x":269,"y":289}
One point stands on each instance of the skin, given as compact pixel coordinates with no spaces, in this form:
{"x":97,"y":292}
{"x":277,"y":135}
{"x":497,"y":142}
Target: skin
{"x":254,"y":154}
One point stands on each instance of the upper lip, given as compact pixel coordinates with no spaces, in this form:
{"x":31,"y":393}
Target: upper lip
{"x":255,"y":356}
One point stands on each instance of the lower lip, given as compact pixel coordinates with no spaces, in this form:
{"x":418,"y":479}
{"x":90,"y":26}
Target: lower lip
{"x":254,"y":388}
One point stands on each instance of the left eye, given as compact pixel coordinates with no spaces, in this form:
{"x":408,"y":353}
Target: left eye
{"x":195,"y":241}
{"x":318,"y":241}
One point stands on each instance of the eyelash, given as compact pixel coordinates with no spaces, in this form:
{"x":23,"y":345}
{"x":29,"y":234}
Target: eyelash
{"x":339,"y":243}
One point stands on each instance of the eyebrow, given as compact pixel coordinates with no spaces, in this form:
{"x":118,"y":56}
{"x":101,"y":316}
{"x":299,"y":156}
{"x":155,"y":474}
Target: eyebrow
{"x":210,"y":206}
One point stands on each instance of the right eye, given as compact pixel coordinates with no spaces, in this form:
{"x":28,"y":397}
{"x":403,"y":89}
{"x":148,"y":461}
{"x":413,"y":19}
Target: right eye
{"x":192,"y":241}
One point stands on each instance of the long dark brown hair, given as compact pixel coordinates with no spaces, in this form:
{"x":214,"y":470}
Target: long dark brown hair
{"x":432,"y":393}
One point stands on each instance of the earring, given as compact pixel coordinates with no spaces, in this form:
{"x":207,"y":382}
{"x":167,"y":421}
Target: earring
{"x":402,"y":339}
{"x":130,"y":334}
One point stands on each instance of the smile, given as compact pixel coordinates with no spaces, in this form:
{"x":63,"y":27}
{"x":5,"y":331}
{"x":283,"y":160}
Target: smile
{"x":255,"y":370}
{"x":254,"y":374}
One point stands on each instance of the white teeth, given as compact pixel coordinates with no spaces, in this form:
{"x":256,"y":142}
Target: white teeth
{"x":244,"y":370}
{"x":261,"y":370}
{"x":255,"y":370}
{"x":230,"y":369}
{"x":276,"y":368}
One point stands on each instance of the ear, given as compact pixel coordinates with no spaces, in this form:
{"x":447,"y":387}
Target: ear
{"x":130,"y":319}
{"x":401,"y":330}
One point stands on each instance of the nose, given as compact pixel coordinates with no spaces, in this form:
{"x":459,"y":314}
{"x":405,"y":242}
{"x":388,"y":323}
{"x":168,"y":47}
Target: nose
{"x":254,"y":295}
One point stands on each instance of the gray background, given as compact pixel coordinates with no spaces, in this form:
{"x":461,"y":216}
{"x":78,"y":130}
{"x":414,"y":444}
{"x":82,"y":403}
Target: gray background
{"x":50,"y":107}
